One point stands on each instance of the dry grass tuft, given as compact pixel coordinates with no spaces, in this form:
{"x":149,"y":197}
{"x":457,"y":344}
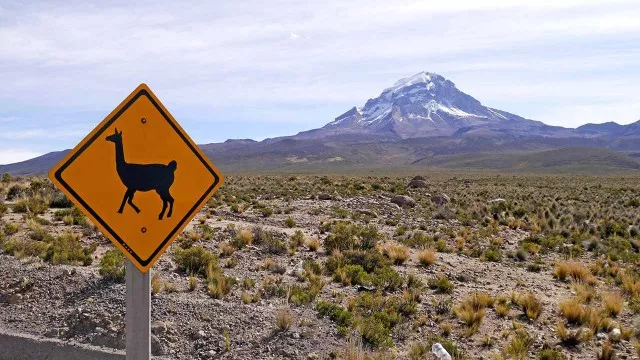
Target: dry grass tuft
{"x":427,"y":257}
{"x":284,"y":319}
{"x":473,"y":309}
{"x":397,"y":253}
{"x":530,"y":305}
{"x":574,"y":311}
{"x":570,"y":270}
{"x":612,"y":303}
{"x":313,"y":244}
{"x":572,"y":337}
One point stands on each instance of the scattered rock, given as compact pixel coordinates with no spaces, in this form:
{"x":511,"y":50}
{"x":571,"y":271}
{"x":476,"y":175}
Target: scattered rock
{"x":366,"y":288}
{"x":366,"y":212}
{"x":498,"y":200}
{"x":441,"y":199}
{"x":403,"y":200}
{"x":615,"y":335}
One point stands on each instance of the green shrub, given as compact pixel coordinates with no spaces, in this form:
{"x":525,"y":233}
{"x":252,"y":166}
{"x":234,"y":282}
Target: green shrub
{"x":387,"y":279}
{"x":352,"y":275}
{"x":60,"y":201}
{"x":23,"y":247}
{"x":550,"y":354}
{"x":336,"y":313}
{"x":492,"y":255}
{"x":275,"y":245}
{"x":3,"y":209}
{"x":67,"y":249}
{"x":71,"y":216}
{"x":304,"y":295}
{"x":441,"y":284}
{"x":34,"y":205}
{"x":376,"y":333}
{"x":11,"y":228}
{"x":289,"y":222}
{"x":15,"y":192}
{"x":112,"y":265}
{"x":350,"y":236}
{"x":195,"y":260}
{"x":219,"y":285}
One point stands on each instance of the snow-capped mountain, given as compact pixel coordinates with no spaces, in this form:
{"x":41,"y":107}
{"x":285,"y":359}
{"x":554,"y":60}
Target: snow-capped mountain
{"x":427,"y":105}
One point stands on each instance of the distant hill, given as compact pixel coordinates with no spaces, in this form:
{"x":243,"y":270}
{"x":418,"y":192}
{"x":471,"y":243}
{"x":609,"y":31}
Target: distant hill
{"x":591,"y":160}
{"x":422,"y":120}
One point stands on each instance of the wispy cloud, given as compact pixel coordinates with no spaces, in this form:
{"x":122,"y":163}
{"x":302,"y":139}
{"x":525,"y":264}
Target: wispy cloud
{"x":8,"y":156}
{"x":71,"y":62}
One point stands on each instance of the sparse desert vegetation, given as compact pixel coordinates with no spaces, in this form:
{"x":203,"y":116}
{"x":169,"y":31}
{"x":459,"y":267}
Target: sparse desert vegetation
{"x":348,"y":266}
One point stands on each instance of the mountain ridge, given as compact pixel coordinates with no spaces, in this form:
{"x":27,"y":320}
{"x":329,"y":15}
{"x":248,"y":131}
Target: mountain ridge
{"x":417,"y":117}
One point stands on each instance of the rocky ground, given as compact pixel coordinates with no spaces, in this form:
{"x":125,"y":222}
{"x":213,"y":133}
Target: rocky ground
{"x":74,"y":302}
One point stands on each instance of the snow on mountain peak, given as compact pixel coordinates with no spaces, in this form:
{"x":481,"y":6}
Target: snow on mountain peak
{"x":421,"y":77}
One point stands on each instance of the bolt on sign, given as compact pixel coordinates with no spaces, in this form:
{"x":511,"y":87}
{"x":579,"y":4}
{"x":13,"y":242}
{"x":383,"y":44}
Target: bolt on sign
{"x":138,"y":177}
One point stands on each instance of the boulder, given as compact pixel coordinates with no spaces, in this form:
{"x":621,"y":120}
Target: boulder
{"x":441,"y":199}
{"x":417,"y":184}
{"x":402,"y":200}
{"x":324,"y":197}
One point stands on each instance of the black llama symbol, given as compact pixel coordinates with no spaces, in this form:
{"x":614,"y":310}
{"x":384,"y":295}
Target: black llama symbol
{"x":143,"y":177}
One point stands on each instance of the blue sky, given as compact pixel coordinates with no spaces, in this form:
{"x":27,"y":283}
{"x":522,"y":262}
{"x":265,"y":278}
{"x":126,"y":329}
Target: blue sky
{"x":254,"y":69}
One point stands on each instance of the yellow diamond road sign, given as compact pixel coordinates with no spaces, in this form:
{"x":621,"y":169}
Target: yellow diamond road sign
{"x":139,"y":177}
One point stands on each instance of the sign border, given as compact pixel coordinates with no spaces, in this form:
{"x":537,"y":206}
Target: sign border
{"x":57,"y":174}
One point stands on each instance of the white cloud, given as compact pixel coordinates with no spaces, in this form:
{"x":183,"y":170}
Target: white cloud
{"x":71,"y":57}
{"x":9,"y":156}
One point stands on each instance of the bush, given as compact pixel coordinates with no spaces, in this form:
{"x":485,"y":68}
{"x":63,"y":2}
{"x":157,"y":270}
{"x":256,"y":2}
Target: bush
{"x":21,"y":247}
{"x":60,"y":201}
{"x":15,"y":192}
{"x":441,"y":284}
{"x":71,"y":216}
{"x":275,"y":245}
{"x":67,"y":249}
{"x":289,"y":222}
{"x":376,"y":333}
{"x":350,"y":236}
{"x":195,"y":260}
{"x":219,"y":285}
{"x":112,"y":265}
{"x":387,"y":279}
{"x":34,"y":205}
{"x":550,"y":354}
{"x":352,"y":275}
{"x":335,"y":312}
{"x":492,"y":255}
{"x":11,"y":228}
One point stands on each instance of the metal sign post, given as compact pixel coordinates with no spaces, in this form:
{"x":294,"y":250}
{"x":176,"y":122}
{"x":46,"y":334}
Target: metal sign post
{"x":138,"y":313}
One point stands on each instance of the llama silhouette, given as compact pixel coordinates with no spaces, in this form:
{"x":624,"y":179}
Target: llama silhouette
{"x":143,"y":177}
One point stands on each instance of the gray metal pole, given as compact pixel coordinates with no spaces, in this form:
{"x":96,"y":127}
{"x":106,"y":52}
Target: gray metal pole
{"x":138,"y":317}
